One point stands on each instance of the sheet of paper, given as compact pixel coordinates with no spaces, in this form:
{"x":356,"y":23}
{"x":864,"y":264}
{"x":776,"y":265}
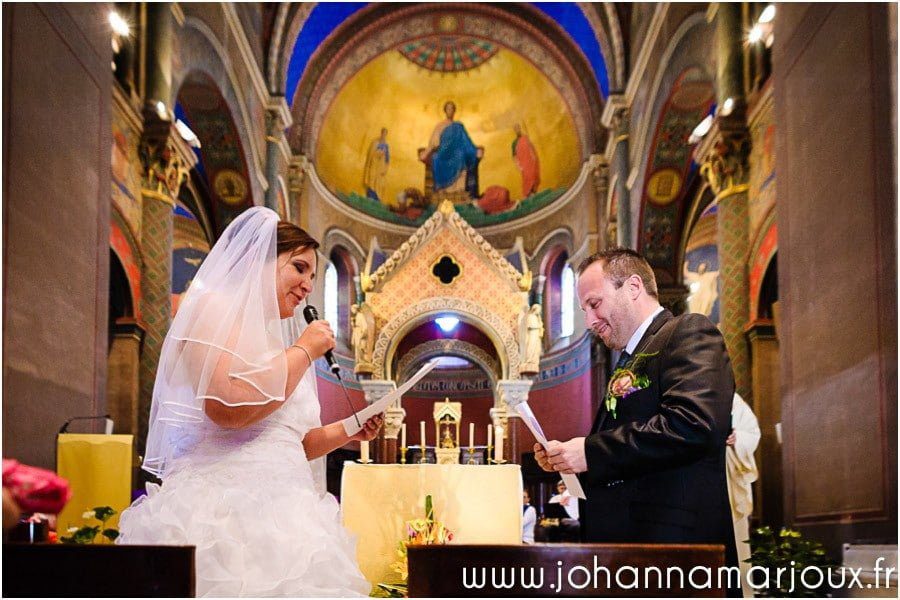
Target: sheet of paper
{"x":571,"y":481}
{"x":350,"y":426}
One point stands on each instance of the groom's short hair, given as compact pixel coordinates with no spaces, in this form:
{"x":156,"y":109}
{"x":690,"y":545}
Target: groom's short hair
{"x":621,"y":263}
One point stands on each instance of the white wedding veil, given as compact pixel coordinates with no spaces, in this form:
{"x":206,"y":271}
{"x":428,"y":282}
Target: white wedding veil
{"x":225,"y":343}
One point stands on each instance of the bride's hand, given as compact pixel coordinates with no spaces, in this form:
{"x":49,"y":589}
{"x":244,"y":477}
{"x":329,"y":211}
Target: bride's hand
{"x":317,"y":338}
{"x":369,"y":430}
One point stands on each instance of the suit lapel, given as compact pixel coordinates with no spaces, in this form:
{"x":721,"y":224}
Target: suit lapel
{"x":655,"y":326}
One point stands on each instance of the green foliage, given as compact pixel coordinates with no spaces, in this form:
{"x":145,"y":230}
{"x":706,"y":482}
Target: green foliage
{"x":789,"y":551}
{"x":88,"y":534}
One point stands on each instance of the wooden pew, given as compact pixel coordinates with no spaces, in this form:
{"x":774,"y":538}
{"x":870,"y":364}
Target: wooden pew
{"x":457,"y":570}
{"x":59,"y":570}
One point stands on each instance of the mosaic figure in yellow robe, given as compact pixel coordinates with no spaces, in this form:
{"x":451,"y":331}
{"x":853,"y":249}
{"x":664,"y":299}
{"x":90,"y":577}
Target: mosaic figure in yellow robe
{"x":377,"y":160}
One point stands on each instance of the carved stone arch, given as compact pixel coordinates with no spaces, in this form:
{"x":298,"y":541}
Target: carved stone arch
{"x":649,"y":117}
{"x":289,"y":23}
{"x":608,"y":34}
{"x":201,"y":52}
{"x":561,"y":237}
{"x":338,"y":237}
{"x":491,"y":324}
{"x":458,"y":348}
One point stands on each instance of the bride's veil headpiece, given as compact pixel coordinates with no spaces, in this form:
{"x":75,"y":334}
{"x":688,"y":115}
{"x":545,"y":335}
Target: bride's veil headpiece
{"x":225,"y":343}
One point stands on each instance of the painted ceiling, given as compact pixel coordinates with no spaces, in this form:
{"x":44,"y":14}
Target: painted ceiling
{"x":384,"y":146}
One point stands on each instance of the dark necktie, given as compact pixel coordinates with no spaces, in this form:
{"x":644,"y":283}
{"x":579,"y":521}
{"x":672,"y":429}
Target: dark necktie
{"x":623,"y":359}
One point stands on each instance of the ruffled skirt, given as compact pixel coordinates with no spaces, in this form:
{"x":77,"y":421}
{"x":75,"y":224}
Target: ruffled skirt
{"x":260,"y":528}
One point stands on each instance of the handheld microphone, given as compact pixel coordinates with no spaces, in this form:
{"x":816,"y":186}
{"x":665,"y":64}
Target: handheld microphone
{"x":311,"y":314}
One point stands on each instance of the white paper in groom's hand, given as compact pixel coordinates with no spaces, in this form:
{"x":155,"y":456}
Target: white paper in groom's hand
{"x":350,"y":426}
{"x":571,"y":481}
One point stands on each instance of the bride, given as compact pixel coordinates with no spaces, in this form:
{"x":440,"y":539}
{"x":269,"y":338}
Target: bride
{"x":235,"y":425}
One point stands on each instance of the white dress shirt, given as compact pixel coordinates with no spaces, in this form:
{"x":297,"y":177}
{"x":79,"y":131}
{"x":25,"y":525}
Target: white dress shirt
{"x":640,"y":331}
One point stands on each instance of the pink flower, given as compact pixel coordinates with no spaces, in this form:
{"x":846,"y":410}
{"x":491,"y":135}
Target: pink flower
{"x":623,"y":384}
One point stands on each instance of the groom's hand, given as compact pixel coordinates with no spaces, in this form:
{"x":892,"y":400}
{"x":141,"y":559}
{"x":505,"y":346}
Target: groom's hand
{"x":566,"y":457}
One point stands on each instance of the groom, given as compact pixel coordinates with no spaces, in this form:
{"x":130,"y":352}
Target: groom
{"x":653,"y":464}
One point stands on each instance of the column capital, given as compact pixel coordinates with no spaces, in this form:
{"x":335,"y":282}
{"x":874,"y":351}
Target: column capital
{"x":723,"y":156}
{"x":512,"y":392}
{"x":376,"y":389}
{"x":165,"y":158}
{"x":614,"y":111}
{"x":393,"y":420}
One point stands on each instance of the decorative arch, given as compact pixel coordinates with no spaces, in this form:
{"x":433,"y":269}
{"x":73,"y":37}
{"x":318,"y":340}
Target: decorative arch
{"x":458,"y":348}
{"x":347,"y":269}
{"x":202,"y":55}
{"x":338,"y":237}
{"x":764,"y":250}
{"x":412,"y":316}
{"x":125,"y":247}
{"x":669,"y":170}
{"x":370,"y":31}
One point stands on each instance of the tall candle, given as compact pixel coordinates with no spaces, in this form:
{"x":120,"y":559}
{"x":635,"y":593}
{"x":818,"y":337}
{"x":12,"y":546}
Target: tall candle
{"x":498,"y":448}
{"x":364,"y":451}
{"x":490,"y":433}
{"x":403,"y":435}
{"x":422,"y":434}
{"x":471,"y":435}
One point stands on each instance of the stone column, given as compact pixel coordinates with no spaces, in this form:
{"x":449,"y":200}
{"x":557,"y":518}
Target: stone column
{"x":374,"y":391}
{"x":159,"y":44}
{"x":278,"y":118}
{"x":510,"y":392}
{"x":165,"y":166}
{"x":606,"y":229}
{"x":622,"y":169}
{"x":723,"y":155}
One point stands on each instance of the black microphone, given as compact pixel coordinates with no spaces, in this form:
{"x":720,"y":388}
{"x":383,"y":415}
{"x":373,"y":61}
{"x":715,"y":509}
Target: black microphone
{"x":311,"y":314}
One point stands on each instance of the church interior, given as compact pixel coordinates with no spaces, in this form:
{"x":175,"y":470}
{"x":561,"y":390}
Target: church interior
{"x":456,"y":162}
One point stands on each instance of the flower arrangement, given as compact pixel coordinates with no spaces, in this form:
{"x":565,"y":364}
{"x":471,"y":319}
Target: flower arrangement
{"x":785,"y":551}
{"x":88,"y":534}
{"x":425,"y":531}
{"x":624,"y":381}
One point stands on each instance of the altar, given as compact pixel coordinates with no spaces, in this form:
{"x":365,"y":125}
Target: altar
{"x":479,"y":504}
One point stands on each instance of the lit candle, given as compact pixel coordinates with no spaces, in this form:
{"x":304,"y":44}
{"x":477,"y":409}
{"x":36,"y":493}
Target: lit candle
{"x":471,"y":436}
{"x":422,"y":434}
{"x":490,"y":433}
{"x":403,"y":435}
{"x":364,"y":451}
{"x":498,"y":449}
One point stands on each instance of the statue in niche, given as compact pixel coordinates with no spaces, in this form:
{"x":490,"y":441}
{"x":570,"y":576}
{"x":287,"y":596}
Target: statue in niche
{"x":377,"y":160}
{"x":704,"y":286}
{"x":447,"y":440}
{"x":362,"y":336}
{"x":532,"y":340}
{"x":453,"y":160}
{"x":526,"y":158}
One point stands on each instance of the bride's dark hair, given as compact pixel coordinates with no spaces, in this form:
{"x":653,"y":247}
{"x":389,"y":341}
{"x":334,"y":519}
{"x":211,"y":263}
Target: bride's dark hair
{"x":290,"y":238}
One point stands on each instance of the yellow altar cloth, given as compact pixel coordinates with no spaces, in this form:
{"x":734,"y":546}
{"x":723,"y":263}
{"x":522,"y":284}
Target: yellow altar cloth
{"x":98,"y":468}
{"x":480,"y":504}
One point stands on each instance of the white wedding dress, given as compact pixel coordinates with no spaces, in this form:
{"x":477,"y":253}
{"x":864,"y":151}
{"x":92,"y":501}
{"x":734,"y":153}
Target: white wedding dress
{"x":250,"y":503}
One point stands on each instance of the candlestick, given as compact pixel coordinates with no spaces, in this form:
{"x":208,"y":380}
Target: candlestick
{"x":490,"y":434}
{"x":364,"y":452}
{"x":422,"y":434}
{"x":498,"y":448}
{"x":403,"y":435}
{"x":471,"y":436}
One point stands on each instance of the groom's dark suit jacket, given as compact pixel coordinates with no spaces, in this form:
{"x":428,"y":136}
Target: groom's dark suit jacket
{"x":656,"y":471}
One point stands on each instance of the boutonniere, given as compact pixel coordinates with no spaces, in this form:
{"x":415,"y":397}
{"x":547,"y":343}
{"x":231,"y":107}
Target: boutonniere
{"x":625,"y":380}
